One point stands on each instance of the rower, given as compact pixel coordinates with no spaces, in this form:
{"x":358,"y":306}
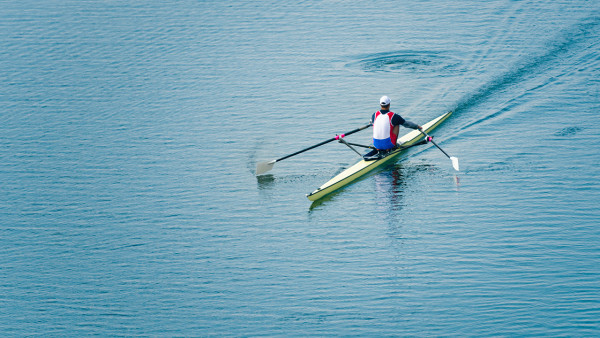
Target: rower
{"x":386,"y":125}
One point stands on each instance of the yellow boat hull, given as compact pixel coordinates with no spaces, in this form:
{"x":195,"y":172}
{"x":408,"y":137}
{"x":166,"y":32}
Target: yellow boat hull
{"x":363,"y":167}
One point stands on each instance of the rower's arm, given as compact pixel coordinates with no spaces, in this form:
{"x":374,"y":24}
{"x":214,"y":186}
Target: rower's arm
{"x":411,"y":125}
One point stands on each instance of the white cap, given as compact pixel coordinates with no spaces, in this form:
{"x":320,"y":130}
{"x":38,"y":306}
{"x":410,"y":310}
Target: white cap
{"x":384,"y":101}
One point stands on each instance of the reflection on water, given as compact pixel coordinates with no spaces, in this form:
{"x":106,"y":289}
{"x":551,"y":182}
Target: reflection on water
{"x":265,"y":181}
{"x":389,"y":191}
{"x":391,"y":185}
{"x":389,"y":188}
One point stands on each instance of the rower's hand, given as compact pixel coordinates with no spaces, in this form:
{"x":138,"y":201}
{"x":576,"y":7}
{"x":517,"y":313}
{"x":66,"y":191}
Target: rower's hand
{"x":420,"y":128}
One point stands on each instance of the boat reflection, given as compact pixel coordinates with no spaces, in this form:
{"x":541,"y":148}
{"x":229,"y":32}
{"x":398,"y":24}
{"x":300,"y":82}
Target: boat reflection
{"x":389,"y":188}
{"x":393,"y":184}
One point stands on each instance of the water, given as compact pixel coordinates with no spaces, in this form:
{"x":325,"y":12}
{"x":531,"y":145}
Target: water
{"x":130,"y":133}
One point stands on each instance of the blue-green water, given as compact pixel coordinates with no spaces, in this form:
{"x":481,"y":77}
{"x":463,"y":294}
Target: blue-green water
{"x":130,"y":131}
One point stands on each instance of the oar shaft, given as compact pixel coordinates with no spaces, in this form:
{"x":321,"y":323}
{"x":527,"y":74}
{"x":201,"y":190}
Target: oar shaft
{"x":349,"y":146}
{"x":454,"y":160}
{"x":359,"y":145}
{"x":305,"y":149}
{"x":324,"y":142}
{"x":435,"y":144}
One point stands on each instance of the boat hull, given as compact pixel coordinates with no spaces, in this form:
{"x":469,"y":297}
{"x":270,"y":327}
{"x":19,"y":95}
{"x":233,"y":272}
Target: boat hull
{"x":363,"y":167}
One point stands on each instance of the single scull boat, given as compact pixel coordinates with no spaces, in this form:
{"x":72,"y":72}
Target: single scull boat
{"x":363,"y":167}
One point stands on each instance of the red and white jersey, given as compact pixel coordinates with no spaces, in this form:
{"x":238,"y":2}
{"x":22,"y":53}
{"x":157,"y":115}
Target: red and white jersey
{"x":383,"y":136}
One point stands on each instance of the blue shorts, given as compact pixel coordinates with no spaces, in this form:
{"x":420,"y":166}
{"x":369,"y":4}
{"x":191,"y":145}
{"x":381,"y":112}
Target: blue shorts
{"x":383,"y":144}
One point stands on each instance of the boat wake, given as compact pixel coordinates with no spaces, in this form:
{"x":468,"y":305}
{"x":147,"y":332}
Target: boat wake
{"x":566,"y":45}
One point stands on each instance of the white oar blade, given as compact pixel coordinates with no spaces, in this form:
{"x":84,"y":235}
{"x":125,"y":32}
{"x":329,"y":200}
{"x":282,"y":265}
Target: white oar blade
{"x":454,"y":163}
{"x":263,"y":167}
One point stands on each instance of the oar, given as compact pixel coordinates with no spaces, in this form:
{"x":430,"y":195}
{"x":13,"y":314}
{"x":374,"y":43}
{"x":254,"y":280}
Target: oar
{"x":263,"y":167}
{"x":359,"y":145}
{"x":351,"y":147}
{"x":452,"y":158}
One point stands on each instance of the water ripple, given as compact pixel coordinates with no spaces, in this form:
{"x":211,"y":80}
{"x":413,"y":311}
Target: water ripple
{"x":567,"y":131}
{"x":423,"y":62}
